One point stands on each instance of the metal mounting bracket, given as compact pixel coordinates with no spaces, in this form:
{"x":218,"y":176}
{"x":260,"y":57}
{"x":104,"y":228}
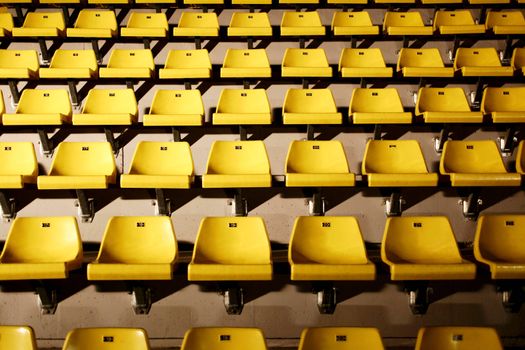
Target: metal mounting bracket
{"x":141,"y":300}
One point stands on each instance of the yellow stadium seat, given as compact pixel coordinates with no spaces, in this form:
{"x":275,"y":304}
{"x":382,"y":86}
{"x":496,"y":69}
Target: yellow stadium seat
{"x":41,"y":107}
{"x":16,"y":1}
{"x":251,"y":2}
{"x":456,"y":22}
{"x":505,"y":22}
{"x":175,"y":108}
{"x":108,"y":2}
{"x":129,"y":64}
{"x":363,"y":63}
{"x":488,"y":2}
{"x":305,"y":63}
{"x":80,"y":165}
{"x":42,"y":24}
{"x":240,"y":63}
{"x":224,"y":338}
{"x":58,"y":2}
{"x":423,"y":248}
{"x":146,"y":24}
{"x":504,"y":105}
{"x":19,"y":165}
{"x":395,"y":1}
{"x":130,"y":250}
{"x":231,"y":249}
{"x":301,"y":24}
{"x":17,"y":337}
{"x":343,"y":338}
{"x":480,"y":62}
{"x":243,"y":107}
{"x":310,"y":106}
{"x":250,"y":24}
{"x":499,"y":242}
{"x":317,"y":164}
{"x":41,"y":248}
{"x":520,"y":158}
{"x":328,"y":248}
{"x":405,"y":23}
{"x":475,"y":163}
{"x":396,"y":163}
{"x":456,"y":338}
{"x":19,"y":64}
{"x":107,"y":339}
{"x":518,"y":60}
{"x":310,"y":2}
{"x":155,"y":1}
{"x":445,"y":105}
{"x":353,"y":23}
{"x":347,"y":2}
{"x":423,"y":63}
{"x":203,"y":2}
{"x":160,"y":165}
{"x":108,"y":107}
{"x":2,"y":105}
{"x":94,"y":23}
{"x":6,"y":24}
{"x":186,"y":64}
{"x":71,"y":64}
{"x":196,"y":24}
{"x":237,"y":164}
{"x":377,"y":106}
{"x":440,"y":2}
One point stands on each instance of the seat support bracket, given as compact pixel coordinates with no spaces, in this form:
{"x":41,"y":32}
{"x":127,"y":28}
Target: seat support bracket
{"x":471,"y":205}
{"x":7,"y":205}
{"x":86,"y":206}
{"x":45,"y":142}
{"x":141,"y":300}
{"x":507,"y":142}
{"x":44,"y":50}
{"x":418,"y":297}
{"x":47,"y":299}
{"x":163,"y":207}
{"x":110,"y":137}
{"x":15,"y":94}
{"x":326,"y":300}
{"x":394,"y":204}
{"x":72,"y":85}
{"x":239,"y":204}
{"x":233,"y":299}
{"x":377,"y":132}
{"x":316,"y":205}
{"x":512,"y":297}
{"x":440,"y":140}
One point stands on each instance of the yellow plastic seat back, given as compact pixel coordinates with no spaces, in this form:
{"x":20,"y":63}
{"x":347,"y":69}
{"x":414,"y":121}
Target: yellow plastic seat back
{"x":20,"y":64}
{"x":240,"y":63}
{"x":505,"y":105}
{"x":353,"y":23}
{"x":42,"y":24}
{"x":97,"y":23}
{"x":231,"y":249}
{"x":107,"y":339}
{"x":458,"y":338}
{"x":422,"y":63}
{"x":340,"y":338}
{"x":146,"y":24}
{"x":6,"y":23}
{"x":456,"y":22}
{"x":175,"y":108}
{"x":186,"y":64}
{"x":224,"y":339}
{"x":195,"y":24}
{"x":17,"y":337}
{"x":301,"y":23}
{"x":80,"y":64}
{"x":480,"y":62}
{"x":108,"y":107}
{"x":305,"y":63}
{"x":250,"y":24}
{"x":518,"y":60}
{"x":243,"y":107}
{"x":357,"y":63}
{"x":445,"y":105}
{"x":505,"y":22}
{"x":125,"y":63}
{"x":377,"y":106}
{"x":405,"y":23}
{"x":310,"y":106}
{"x":19,"y":164}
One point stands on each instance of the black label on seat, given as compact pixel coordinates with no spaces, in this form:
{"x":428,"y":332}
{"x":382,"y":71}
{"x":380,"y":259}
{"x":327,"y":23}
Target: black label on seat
{"x":97,"y":14}
{"x":188,"y":53}
{"x":250,"y":17}
{"x":392,"y":146}
{"x":111,"y":94}
{"x":178,"y":95}
{"x":419,"y":53}
{"x":441,"y":93}
{"x":309,"y":94}
{"x":375,"y":94}
{"x":132,"y":53}
{"x":7,"y":148}
{"x":506,"y":93}
{"x":326,"y":224}
{"x":340,"y":338}
{"x":46,"y":224}
{"x":163,"y":148}
{"x":46,"y":94}
{"x":85,"y":148}
{"x":246,"y":54}
{"x":470,"y":146}
{"x":316,"y":147}
{"x":107,"y":339}
{"x":457,"y":337}
{"x":148,"y":17}
{"x":509,"y":223}
{"x":418,"y":224}
{"x":141,"y":224}
{"x":232,"y":224}
{"x":244,"y":94}
{"x":238,"y":147}
{"x":225,"y":337}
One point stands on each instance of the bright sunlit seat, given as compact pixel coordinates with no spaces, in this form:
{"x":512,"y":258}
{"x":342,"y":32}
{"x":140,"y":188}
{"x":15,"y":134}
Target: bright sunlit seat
{"x":129,"y":64}
{"x":107,"y":338}
{"x":197,"y":24}
{"x":445,"y":105}
{"x":340,"y":338}
{"x":17,"y":337}
{"x":41,"y":107}
{"x":19,"y":64}
{"x":175,"y":108}
{"x":19,"y":165}
{"x":456,"y":22}
{"x":186,"y":64}
{"x":42,"y":24}
{"x":6,"y":24}
{"x":305,"y":63}
{"x":146,"y":24}
{"x":405,"y":23}
{"x":353,"y":23}
{"x":301,"y":24}
{"x":94,"y":23}
{"x":108,"y":107}
{"x":377,"y":106}
{"x":505,"y":22}
{"x":480,"y":62}
{"x":310,"y":106}
{"x":456,"y":338}
{"x":505,"y":104}
{"x":223,"y":338}
{"x":518,"y":60}
{"x":241,"y":63}
{"x":71,"y":64}
{"x":247,"y":24}
{"x":243,"y":107}
{"x":423,"y":63}
{"x":363,"y":63}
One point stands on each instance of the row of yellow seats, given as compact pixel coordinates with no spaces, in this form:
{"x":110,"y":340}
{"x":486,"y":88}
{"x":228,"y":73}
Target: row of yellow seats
{"x":96,"y":23}
{"x":237,"y":338}
{"x":245,"y":164}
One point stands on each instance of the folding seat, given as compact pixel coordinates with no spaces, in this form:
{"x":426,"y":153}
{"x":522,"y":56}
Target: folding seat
{"x":456,"y":22}
{"x":186,"y":64}
{"x":224,"y":338}
{"x":301,"y":24}
{"x":440,"y":2}
{"x":250,"y":24}
{"x":396,"y":163}
{"x":520,"y":158}
{"x":395,"y":1}
{"x":423,"y":63}
{"x":203,"y":2}
{"x":39,"y":248}
{"x":107,"y":338}
{"x":175,"y":108}
{"x":251,"y":2}
{"x":243,"y":107}
{"x":196,"y":24}
{"x":488,"y":2}
{"x":19,"y":64}
{"x":94,"y":23}
{"x":41,"y":107}
{"x":42,"y":24}
{"x":310,"y":106}
{"x":71,"y":64}
{"x":135,"y":248}
{"x":518,"y":60}
{"x":59,"y":2}
{"x":455,"y":338}
{"x":499,"y":243}
{"x":160,"y":165}
{"x":475,"y":163}
{"x":377,"y":106}
{"x":353,"y":23}
{"x":237,"y":164}
{"x":129,"y":64}
{"x":343,"y":338}
{"x":6,"y":24}
{"x":108,"y":2}
{"x":231,"y":249}
{"x":405,"y":23}
{"x":305,"y":63}
{"x":445,"y":105}
{"x":423,"y":248}
{"x":155,"y":1}
{"x":240,"y":63}
{"x":328,"y":248}
{"x":363,"y":63}
{"x":505,"y":22}
{"x":311,"y":2}
{"x":317,"y":164}
{"x":17,"y":337}
{"x":474,"y":62}
{"x":347,"y":2}
{"x":504,"y":105}
{"x":108,"y":107}
{"x":80,"y":165}
{"x":19,"y":165}
{"x":146,"y":24}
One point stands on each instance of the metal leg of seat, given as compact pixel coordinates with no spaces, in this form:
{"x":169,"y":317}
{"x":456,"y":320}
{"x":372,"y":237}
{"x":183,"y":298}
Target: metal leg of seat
{"x":377,"y":132}
{"x":508,"y":142}
{"x":233,"y":299}
{"x":239,"y":204}
{"x":15,"y":94}
{"x":440,"y":140}
{"x":96,"y":49}
{"x":86,"y":206}
{"x":176,"y":134}
{"x":512,"y":297}
{"x":470,"y":205}
{"x":162,"y":203}
{"x":418,"y":297}
{"x":72,"y":85}
{"x":45,"y":142}
{"x":326,"y":299}
{"x":44,"y":50}
{"x":47,"y":299}
{"x":394,"y":204}
{"x":316,"y":205}
{"x":141,"y":300}
{"x":7,"y":205}
{"x":110,"y":137}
